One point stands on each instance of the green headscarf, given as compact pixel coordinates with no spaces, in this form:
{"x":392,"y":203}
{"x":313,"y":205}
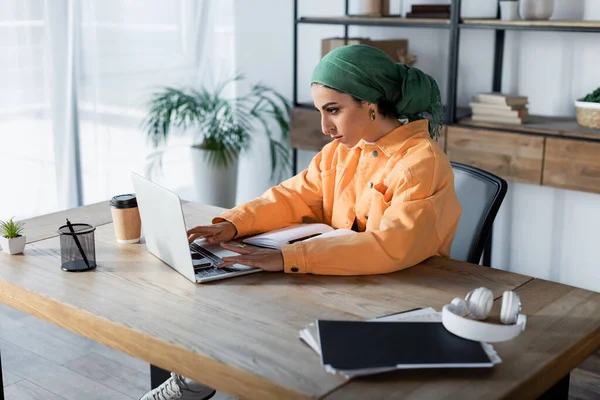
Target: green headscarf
{"x":369,"y":74}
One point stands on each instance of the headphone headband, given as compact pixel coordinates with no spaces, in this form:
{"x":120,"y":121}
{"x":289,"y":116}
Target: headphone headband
{"x":480,"y":331}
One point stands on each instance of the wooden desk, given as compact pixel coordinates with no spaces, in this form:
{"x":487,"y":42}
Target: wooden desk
{"x":240,"y":336}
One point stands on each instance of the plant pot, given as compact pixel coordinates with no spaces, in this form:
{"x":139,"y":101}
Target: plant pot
{"x":509,"y":10}
{"x":588,"y":114}
{"x":536,"y":9}
{"x":13,"y":245}
{"x":212,"y":185}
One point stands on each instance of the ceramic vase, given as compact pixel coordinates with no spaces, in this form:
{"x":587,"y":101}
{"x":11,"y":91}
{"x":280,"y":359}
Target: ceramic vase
{"x":536,"y":9}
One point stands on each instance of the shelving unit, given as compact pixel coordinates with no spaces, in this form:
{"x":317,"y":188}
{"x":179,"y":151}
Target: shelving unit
{"x":504,"y":149}
{"x":568,"y":26}
{"x":379,"y":21}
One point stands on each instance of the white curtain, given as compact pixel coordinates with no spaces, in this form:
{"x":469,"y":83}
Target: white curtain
{"x":60,"y":30}
{"x":76,"y":74}
{"x":28,"y":184}
{"x":128,"y":50}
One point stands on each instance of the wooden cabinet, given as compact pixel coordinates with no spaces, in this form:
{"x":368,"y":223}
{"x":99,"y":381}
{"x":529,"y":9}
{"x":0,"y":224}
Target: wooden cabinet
{"x":572,"y":164}
{"x":512,"y":156}
{"x":305,"y":130}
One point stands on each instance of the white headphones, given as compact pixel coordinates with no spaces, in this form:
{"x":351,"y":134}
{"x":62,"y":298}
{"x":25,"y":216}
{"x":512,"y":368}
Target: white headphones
{"x":478,"y":304}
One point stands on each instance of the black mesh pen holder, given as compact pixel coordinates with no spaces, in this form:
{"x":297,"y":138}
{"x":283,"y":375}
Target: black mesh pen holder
{"x":77,"y":247}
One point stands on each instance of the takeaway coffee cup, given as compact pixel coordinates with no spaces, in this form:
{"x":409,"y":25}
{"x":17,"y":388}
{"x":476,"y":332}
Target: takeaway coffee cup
{"x":126,"y":218}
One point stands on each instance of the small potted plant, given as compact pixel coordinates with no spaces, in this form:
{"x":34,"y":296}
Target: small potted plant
{"x":588,"y":110}
{"x":11,"y":239}
{"x":509,"y":10}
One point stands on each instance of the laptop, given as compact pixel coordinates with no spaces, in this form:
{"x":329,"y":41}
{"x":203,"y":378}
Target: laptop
{"x":165,"y":232}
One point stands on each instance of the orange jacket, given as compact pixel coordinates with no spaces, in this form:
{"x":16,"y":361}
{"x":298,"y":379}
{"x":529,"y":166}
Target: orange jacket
{"x":399,"y":189}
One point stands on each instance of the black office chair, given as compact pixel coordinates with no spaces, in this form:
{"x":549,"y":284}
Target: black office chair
{"x":480,"y":194}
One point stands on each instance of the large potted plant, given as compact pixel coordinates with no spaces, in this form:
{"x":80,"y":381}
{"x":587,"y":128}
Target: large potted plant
{"x":11,"y":238}
{"x":221,"y":128}
{"x":588,"y":110}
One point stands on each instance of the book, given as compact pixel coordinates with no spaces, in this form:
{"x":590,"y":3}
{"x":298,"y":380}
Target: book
{"x":295,"y":233}
{"x":430,"y":8}
{"x":498,"y":119}
{"x":425,"y":15}
{"x":499,"y":107}
{"x":310,"y":336}
{"x":500,"y":98}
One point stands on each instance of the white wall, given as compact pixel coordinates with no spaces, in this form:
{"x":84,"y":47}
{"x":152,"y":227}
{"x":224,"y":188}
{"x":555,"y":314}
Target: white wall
{"x":543,"y":232}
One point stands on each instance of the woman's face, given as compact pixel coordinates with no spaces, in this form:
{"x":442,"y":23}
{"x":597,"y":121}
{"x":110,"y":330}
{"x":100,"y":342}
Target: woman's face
{"x":342,"y":117}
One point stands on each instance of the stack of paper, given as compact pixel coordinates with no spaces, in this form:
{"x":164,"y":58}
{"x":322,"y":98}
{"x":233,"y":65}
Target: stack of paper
{"x":310,"y":335}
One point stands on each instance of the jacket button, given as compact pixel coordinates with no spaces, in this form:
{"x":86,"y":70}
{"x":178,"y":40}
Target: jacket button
{"x":294,"y":269}
{"x":375,"y":154}
{"x":370,"y":185}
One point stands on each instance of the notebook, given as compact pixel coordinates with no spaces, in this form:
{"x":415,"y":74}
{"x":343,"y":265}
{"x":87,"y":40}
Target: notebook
{"x":310,"y":335}
{"x":295,"y":233}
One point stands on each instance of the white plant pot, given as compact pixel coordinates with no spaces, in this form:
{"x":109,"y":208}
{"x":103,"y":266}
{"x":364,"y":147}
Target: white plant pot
{"x":536,"y":9}
{"x":214,"y":186}
{"x":13,"y":245}
{"x":509,"y":10}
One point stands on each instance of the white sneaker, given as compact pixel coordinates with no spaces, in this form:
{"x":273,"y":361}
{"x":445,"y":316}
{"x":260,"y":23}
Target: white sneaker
{"x":178,"y":387}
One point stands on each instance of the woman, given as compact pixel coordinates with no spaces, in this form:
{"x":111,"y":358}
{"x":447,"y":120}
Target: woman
{"x":382,"y":175}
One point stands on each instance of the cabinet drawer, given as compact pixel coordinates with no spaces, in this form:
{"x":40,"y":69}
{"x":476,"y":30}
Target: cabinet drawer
{"x":305,"y":129}
{"x":572,"y":164}
{"x":512,"y":156}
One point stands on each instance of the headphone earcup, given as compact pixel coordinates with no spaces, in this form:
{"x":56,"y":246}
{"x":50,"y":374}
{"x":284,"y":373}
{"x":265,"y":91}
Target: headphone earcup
{"x":459,"y":306}
{"x":480,"y":301}
{"x":511,"y":304}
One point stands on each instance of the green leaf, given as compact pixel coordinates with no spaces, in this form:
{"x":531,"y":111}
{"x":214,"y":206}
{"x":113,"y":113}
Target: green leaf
{"x":11,"y":229}
{"x":593,"y":97}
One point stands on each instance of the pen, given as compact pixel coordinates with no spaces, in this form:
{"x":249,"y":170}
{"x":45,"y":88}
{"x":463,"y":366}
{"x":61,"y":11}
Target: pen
{"x":303,"y":238}
{"x":77,"y":243}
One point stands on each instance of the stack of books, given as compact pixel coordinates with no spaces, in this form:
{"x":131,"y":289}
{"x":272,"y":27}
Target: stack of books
{"x":500,"y":108}
{"x":441,"y":11}
{"x":406,"y":340}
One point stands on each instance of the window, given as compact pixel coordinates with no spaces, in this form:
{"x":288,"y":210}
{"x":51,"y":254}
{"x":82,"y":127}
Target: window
{"x":121,"y":52}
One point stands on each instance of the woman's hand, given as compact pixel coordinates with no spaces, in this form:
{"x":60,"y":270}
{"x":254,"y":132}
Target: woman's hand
{"x":215,"y":233}
{"x":265,"y":259}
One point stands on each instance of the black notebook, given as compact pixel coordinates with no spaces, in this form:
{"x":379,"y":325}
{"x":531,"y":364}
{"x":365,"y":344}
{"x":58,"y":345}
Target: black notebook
{"x":361,"y":345}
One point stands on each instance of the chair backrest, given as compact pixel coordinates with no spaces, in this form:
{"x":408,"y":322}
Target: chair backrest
{"x":480,"y":194}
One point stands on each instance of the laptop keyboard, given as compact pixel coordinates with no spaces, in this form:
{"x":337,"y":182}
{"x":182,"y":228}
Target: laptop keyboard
{"x":211,"y":271}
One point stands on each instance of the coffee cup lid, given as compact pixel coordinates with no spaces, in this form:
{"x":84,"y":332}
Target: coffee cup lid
{"x":124,"y":201}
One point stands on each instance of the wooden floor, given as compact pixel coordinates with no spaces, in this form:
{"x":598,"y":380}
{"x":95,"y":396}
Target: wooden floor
{"x":43,"y":361}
